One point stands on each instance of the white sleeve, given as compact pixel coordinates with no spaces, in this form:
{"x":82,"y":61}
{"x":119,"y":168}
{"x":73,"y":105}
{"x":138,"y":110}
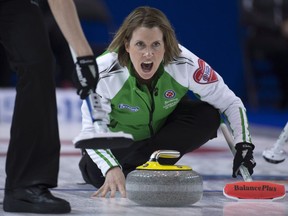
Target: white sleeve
{"x":211,"y":88}
{"x":103,"y":158}
{"x":88,"y":129}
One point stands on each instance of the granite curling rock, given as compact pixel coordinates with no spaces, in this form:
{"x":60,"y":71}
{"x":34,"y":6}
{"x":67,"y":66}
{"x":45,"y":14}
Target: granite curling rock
{"x":153,"y":184}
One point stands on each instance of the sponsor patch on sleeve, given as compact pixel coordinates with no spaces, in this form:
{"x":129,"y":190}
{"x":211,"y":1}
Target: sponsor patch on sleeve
{"x":204,"y":74}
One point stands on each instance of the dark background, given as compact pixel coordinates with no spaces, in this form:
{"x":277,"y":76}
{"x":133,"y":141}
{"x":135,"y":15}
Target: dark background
{"x":210,"y":29}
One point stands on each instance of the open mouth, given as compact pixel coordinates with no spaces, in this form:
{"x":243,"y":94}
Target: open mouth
{"x":147,"y":66}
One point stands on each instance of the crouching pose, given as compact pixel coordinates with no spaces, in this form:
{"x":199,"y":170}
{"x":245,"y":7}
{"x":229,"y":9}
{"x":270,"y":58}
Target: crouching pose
{"x":145,"y":76}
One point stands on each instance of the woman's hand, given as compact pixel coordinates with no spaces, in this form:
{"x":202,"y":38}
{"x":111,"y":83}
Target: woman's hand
{"x":114,"y":181}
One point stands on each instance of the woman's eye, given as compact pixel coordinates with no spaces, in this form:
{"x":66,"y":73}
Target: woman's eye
{"x":140,"y":44}
{"x":156,"y":44}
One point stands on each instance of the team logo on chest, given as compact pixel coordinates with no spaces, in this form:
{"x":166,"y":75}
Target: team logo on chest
{"x":169,"y":94}
{"x":172,"y":100}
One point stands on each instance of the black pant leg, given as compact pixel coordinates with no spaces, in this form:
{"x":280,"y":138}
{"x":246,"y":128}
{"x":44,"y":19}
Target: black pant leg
{"x":192,"y":124}
{"x":33,"y":153}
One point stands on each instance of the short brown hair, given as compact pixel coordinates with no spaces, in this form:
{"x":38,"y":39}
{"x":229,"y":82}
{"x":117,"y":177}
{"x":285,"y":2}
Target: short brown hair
{"x":145,"y":17}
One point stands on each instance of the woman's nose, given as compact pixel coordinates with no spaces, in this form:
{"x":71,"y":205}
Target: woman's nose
{"x":148,"y":53}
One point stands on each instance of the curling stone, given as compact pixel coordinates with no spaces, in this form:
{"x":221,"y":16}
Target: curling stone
{"x":153,"y":184}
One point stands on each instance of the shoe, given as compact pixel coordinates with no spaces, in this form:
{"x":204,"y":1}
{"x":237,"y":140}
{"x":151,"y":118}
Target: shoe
{"x":35,"y":199}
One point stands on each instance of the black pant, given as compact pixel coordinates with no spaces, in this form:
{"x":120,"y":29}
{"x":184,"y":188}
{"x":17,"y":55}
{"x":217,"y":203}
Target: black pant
{"x":33,"y":153}
{"x":190,"y":126}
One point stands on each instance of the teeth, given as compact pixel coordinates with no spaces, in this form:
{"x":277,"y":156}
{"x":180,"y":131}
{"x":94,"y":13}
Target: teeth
{"x":150,"y":62}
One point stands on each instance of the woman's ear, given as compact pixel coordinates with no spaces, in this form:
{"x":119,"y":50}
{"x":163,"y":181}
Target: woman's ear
{"x":126,"y":46}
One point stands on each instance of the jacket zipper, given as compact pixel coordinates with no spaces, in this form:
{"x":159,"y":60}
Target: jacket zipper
{"x":153,"y":94}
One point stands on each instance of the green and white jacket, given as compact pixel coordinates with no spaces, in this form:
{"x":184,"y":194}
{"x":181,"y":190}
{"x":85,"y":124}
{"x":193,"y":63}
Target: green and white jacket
{"x":132,"y":108}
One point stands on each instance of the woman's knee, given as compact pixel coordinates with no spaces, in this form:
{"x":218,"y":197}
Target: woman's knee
{"x":211,"y":116}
